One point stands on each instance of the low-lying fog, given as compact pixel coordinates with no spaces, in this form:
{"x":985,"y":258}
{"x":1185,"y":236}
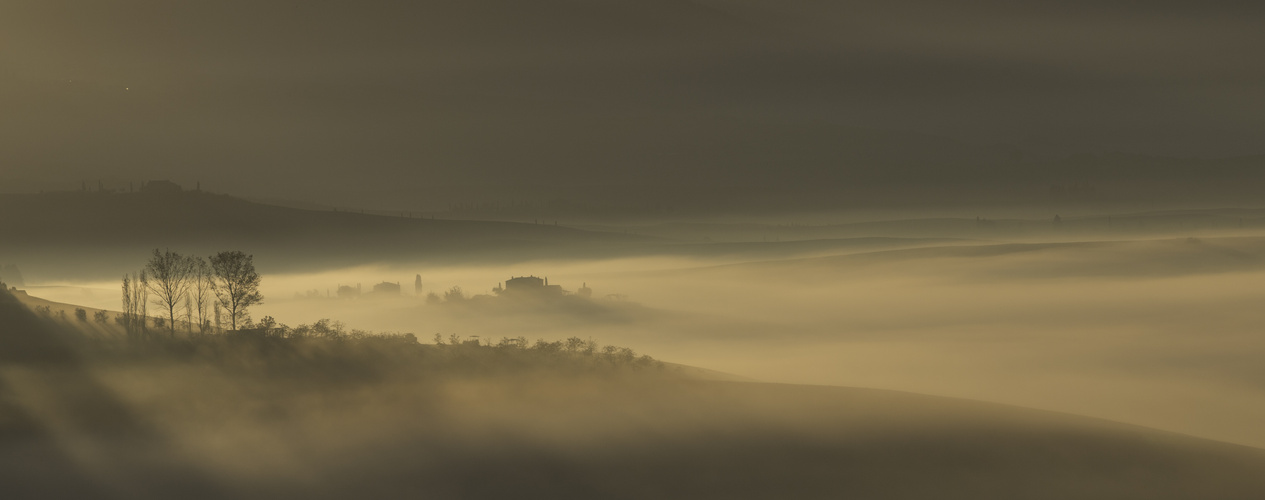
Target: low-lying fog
{"x":1163,"y":333}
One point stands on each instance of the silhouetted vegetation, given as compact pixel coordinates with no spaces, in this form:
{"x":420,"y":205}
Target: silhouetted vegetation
{"x":173,"y":279}
{"x":329,"y":350}
{"x":170,"y":277}
{"x":236,"y":284}
{"x":191,"y":285}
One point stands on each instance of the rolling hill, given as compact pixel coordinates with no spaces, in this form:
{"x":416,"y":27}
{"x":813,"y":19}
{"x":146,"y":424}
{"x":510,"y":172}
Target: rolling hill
{"x":73,"y":426}
{"x":88,"y":234}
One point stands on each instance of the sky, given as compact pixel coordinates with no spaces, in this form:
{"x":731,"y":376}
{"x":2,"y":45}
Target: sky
{"x":382,"y":103}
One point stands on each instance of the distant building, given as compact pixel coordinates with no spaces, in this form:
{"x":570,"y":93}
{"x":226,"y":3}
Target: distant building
{"x":347,"y":291}
{"x":161,"y":187}
{"x":585,"y":291}
{"x":417,"y":285}
{"x":524,"y":283}
{"x":531,"y":284}
{"x":386,"y":288}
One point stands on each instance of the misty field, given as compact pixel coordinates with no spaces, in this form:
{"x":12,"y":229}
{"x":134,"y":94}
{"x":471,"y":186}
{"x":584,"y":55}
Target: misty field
{"x":318,"y":417}
{"x":1123,"y":367}
{"x":1160,"y":332}
{"x":632,"y":249}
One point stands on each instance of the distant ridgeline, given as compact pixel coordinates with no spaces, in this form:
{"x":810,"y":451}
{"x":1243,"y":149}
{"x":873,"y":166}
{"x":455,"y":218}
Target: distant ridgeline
{"x":78,"y":234}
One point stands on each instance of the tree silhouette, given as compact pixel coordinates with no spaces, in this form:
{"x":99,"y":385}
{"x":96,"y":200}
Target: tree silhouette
{"x":236,"y":283}
{"x":188,"y":313}
{"x":135,"y":296}
{"x":140,"y":291}
{"x":129,"y":313}
{"x":201,"y":291}
{"x":170,"y":278}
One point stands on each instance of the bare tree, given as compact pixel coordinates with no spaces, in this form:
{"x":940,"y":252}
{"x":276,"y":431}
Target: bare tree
{"x":202,"y":291}
{"x":128,"y":309}
{"x":170,"y":273}
{"x":188,"y":313}
{"x":236,"y":283}
{"x":140,"y":301}
{"x":135,"y":294}
{"x":219,"y":325}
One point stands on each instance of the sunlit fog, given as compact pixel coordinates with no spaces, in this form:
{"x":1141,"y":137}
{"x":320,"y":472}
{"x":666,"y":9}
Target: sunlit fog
{"x":631,"y":249}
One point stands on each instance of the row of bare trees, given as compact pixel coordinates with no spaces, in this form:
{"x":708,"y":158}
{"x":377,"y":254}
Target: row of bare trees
{"x":196,"y":287}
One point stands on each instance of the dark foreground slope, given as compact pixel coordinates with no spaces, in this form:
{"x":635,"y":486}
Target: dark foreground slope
{"x":252,"y":419}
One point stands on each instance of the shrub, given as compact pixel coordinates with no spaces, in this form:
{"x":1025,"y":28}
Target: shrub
{"x":454,"y":294}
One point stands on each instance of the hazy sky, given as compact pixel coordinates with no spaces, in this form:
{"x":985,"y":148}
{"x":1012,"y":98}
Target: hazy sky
{"x":386,"y":98}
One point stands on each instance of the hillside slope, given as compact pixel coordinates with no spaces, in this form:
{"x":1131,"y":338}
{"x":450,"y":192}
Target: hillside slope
{"x":74,"y":427}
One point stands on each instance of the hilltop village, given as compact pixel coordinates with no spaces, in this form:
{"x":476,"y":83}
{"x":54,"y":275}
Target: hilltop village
{"x":516,"y":287}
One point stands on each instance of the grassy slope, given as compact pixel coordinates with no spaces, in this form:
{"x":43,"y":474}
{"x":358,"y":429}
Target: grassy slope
{"x":71,"y":427}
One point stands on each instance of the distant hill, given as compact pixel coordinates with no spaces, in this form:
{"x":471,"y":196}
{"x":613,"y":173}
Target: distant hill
{"x":84,"y":233}
{"x":80,"y":235}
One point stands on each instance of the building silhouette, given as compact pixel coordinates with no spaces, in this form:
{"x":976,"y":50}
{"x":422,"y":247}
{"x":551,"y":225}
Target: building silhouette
{"x":348,"y":291}
{"x":530,"y":285}
{"x":386,"y":288}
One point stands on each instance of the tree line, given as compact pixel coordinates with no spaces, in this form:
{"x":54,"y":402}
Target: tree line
{"x":199,"y":291}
